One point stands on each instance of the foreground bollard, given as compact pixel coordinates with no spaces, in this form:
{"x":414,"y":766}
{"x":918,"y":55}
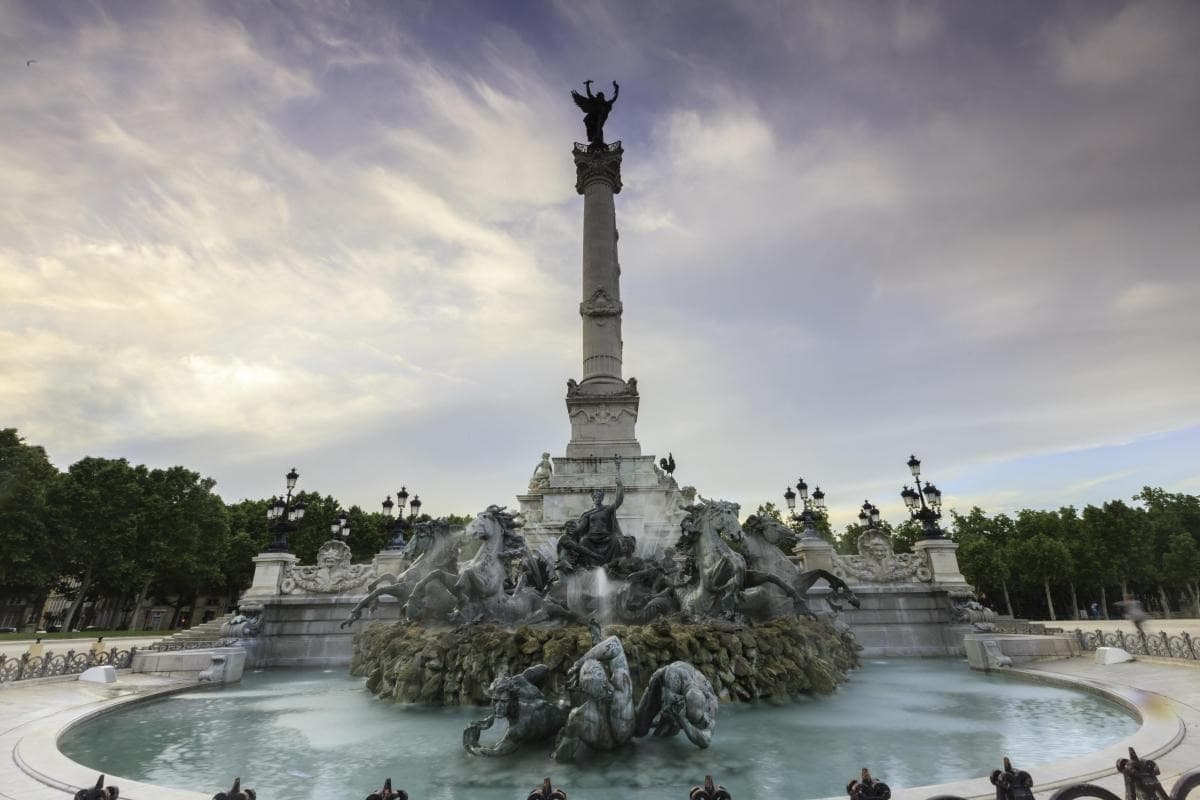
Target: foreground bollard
{"x":868,"y":788}
{"x":1012,"y":784}
{"x":547,"y":792}
{"x":387,"y":793}
{"x":709,"y":791}
{"x":236,"y":793}
{"x":98,"y":792}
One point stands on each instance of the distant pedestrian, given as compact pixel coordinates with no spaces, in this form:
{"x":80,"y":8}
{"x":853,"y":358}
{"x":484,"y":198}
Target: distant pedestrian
{"x":1094,"y":610}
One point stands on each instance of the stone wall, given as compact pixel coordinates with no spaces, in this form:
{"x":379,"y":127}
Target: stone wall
{"x":778,"y":659}
{"x":305,"y":631}
{"x":904,"y":620}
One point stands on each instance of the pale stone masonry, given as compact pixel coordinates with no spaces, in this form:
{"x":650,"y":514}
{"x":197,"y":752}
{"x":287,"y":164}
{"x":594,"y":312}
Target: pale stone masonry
{"x":602,"y":406}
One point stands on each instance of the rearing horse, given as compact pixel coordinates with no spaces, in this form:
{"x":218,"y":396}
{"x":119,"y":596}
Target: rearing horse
{"x":765,"y":556}
{"x":478,"y":587}
{"x":717,"y":572}
{"x":431,"y":547}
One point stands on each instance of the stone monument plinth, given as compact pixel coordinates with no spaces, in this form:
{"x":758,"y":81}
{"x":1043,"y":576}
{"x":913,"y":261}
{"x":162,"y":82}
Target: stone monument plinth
{"x":602,"y":407}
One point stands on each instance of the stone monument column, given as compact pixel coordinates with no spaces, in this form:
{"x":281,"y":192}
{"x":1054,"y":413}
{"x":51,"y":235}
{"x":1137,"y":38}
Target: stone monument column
{"x":602,"y":406}
{"x":598,"y":178}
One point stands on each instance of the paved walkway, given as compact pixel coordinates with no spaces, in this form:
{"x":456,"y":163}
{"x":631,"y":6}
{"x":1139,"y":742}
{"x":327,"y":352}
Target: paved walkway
{"x":1166,"y":694}
{"x":34,"y":713}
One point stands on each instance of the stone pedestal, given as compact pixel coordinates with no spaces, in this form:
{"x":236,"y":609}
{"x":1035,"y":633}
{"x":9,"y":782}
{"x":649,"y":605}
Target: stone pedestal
{"x":389,"y":561}
{"x":943,"y":561}
{"x":815,"y":553}
{"x":650,"y":511}
{"x":268,"y":572}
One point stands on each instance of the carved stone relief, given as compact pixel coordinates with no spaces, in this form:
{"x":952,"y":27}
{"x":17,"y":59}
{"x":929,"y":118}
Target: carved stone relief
{"x":600,"y":304}
{"x":603,"y":414}
{"x":877,"y":562}
{"x":333,"y":573}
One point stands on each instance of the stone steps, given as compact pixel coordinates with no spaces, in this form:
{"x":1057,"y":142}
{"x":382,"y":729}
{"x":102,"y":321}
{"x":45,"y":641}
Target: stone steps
{"x":204,"y":632}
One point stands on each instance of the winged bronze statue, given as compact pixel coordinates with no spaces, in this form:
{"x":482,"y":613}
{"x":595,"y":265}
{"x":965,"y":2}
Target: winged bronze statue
{"x":595,"y":110}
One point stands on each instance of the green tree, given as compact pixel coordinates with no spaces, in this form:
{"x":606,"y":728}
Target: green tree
{"x":100,"y":501}
{"x":1181,"y":566}
{"x":31,"y":556}
{"x":906,"y":534}
{"x":985,"y":552}
{"x":186,"y":528}
{"x":1043,"y":556}
{"x":1168,"y":516}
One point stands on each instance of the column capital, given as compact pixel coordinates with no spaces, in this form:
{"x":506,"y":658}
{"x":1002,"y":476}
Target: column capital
{"x":598,"y":163}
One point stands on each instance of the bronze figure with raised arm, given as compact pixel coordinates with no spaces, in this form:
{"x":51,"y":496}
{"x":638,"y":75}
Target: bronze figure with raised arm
{"x":595,"y":111}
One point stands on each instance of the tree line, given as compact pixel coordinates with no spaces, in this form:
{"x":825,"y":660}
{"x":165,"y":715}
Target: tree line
{"x":1040,"y":564}
{"x":106,"y":529}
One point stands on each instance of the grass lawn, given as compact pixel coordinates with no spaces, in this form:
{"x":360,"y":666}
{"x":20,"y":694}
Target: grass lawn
{"x":47,"y":637}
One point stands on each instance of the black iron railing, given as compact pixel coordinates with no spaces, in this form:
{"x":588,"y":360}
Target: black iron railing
{"x":1141,"y":783}
{"x":1143,"y":643}
{"x":49,"y":664}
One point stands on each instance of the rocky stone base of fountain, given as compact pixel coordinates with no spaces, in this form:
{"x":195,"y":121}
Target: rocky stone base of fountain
{"x":778,"y":659}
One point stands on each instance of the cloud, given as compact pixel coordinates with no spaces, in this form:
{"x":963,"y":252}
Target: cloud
{"x":1140,"y":44}
{"x":234,"y":236}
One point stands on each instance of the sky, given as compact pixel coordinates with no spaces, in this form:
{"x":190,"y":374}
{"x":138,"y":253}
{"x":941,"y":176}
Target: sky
{"x":344,"y":236}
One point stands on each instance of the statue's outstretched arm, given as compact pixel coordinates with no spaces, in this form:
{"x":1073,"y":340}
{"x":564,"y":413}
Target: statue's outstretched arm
{"x":620,"y":497}
{"x":616,"y":91}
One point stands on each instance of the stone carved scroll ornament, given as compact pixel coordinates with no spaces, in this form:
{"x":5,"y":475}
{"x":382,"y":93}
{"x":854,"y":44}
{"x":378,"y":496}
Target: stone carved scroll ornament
{"x":877,"y":562}
{"x":333,"y":573}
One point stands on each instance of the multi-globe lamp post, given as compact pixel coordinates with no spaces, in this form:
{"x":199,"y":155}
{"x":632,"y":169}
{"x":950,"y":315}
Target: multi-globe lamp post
{"x":283,"y":514}
{"x":813,"y":504}
{"x":340,"y":528}
{"x":400,"y":526}
{"x":925,"y":503}
{"x":869,"y":516}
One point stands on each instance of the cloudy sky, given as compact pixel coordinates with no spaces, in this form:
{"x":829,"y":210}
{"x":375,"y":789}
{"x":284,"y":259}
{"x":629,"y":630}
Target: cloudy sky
{"x":242,"y":236}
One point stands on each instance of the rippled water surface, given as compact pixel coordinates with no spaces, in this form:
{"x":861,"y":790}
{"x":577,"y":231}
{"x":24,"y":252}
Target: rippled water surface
{"x":313,"y":735}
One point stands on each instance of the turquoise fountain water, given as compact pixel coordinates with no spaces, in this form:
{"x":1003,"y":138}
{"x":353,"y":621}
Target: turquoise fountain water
{"x":306,"y":734}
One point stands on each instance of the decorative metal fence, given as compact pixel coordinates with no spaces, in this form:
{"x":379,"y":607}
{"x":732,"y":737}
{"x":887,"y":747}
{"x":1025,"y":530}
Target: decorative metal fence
{"x":1141,"y":783}
{"x":1139,"y":643}
{"x":48,"y":664}
{"x":1159,"y":644}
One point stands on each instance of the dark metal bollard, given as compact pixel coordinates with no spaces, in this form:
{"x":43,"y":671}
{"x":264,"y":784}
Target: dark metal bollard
{"x":98,"y":792}
{"x":236,"y":793}
{"x":709,"y":791}
{"x":387,"y":793}
{"x":546,"y":792}
{"x":1012,"y":784}
{"x":868,"y":788}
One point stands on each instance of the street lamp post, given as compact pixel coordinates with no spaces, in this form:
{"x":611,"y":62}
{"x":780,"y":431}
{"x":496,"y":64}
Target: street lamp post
{"x":869,"y":516}
{"x":814,"y":505}
{"x":924,"y":504}
{"x":398,"y":540}
{"x":340,"y":528}
{"x":283,"y":514}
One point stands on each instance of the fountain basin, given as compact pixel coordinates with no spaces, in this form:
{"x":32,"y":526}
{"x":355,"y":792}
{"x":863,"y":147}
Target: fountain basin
{"x":308,"y":734}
